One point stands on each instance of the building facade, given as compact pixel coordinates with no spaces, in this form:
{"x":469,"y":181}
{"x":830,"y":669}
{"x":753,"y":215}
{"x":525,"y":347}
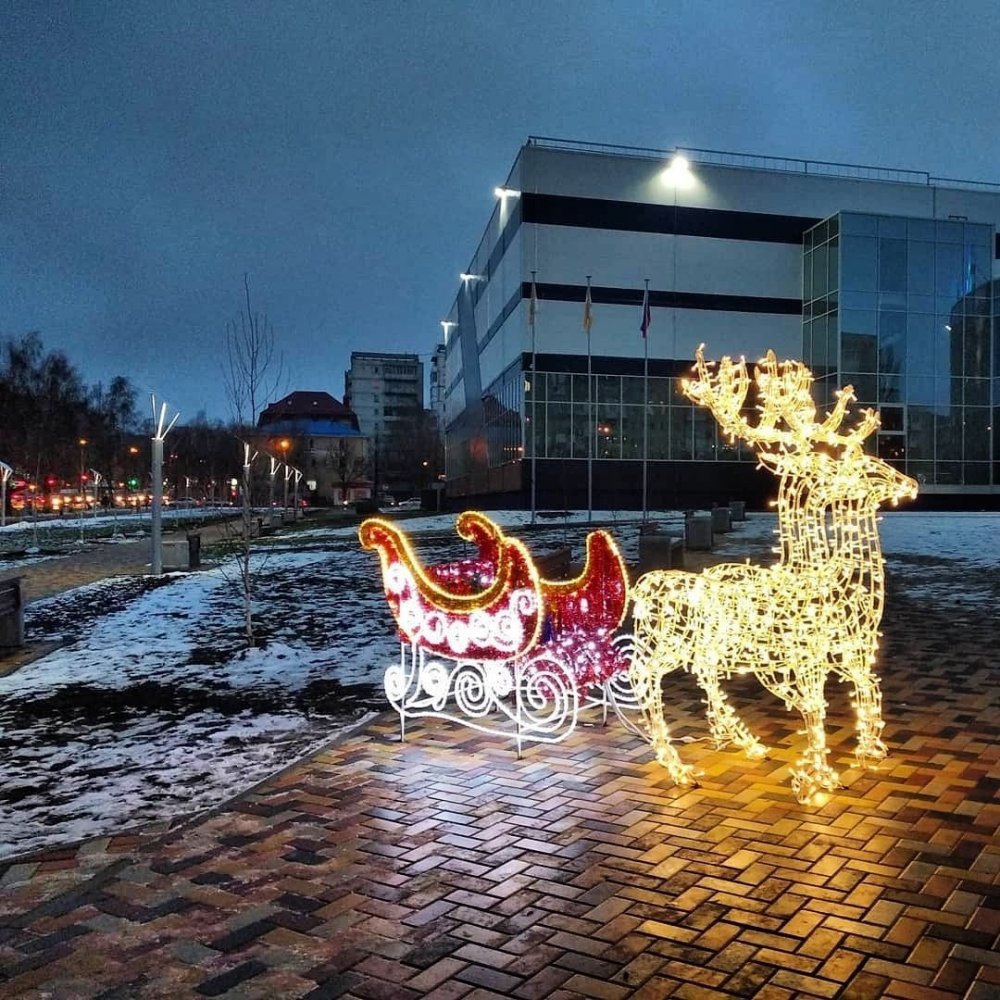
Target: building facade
{"x":879,"y":278}
{"x":386,"y":391}
{"x":320,"y":436}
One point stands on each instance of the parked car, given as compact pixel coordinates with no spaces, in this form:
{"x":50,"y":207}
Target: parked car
{"x":413,"y":503}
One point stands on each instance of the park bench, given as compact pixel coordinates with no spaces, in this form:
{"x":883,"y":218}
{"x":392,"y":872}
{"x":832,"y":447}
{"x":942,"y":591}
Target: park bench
{"x":11,"y":613}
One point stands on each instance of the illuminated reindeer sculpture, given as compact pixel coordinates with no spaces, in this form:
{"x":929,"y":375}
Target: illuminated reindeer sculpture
{"x":815,"y":612}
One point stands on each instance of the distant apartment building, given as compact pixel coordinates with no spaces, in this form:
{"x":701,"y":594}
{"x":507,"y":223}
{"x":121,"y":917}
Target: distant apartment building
{"x":439,"y":384}
{"x":882,"y":279}
{"x":386,"y":391}
{"x":320,"y":436}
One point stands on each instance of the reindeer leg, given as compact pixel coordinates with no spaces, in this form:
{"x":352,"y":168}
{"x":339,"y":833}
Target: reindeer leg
{"x":647,"y":683}
{"x":812,"y":773}
{"x":868,"y":706}
{"x":725,"y":724}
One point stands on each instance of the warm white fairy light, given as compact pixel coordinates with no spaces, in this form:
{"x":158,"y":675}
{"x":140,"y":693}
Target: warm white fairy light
{"x":814,"y":613}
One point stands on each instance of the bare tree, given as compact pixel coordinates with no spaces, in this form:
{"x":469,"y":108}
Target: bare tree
{"x":253,"y":375}
{"x":349,"y":464}
{"x":255,"y":370}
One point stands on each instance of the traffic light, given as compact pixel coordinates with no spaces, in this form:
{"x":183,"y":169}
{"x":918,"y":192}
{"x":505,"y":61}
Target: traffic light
{"x":133,"y":483}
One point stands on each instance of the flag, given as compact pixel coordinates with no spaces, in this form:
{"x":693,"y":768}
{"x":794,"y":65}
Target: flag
{"x":588,"y":316}
{"x":532,"y":304}
{"x":647,"y":316}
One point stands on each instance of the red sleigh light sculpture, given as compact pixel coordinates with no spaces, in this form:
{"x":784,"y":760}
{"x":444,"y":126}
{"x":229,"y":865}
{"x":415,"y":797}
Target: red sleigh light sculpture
{"x":488,"y":638}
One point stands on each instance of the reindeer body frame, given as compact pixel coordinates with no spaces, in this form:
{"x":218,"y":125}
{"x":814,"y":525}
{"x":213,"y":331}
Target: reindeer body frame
{"x":814,"y":613}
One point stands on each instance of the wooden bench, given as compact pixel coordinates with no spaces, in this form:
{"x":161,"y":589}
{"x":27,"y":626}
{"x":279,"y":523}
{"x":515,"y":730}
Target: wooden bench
{"x":11,"y":612}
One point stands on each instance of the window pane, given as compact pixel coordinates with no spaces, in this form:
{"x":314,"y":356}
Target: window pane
{"x":976,"y":473}
{"x":857,"y":341}
{"x":892,"y":342}
{"x":633,"y":388}
{"x":919,"y":344}
{"x":977,"y":347}
{"x":704,"y":435}
{"x":857,"y":263}
{"x":890,"y":390}
{"x":632,"y":432}
{"x":681,"y":424}
{"x":859,"y":225}
{"x":581,"y":430}
{"x":559,"y":427}
{"x":920,"y":268}
{"x":892,"y":265}
{"x":819,"y":272}
{"x":807,"y":282}
{"x":920,"y":229}
{"x":659,"y":432}
{"x":977,"y":392}
{"x":580,"y":394}
{"x":977,"y":435}
{"x":608,"y":432}
{"x":948,"y":272}
{"x":609,"y":389}
{"x":559,"y":387}
{"x":659,"y":391}
{"x":920,"y":432}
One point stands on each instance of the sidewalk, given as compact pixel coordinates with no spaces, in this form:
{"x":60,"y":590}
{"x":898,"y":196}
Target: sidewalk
{"x":97,"y":560}
{"x":447,"y":868}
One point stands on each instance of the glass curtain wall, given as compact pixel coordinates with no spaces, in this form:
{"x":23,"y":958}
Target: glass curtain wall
{"x":569,"y":419}
{"x":902,"y":310}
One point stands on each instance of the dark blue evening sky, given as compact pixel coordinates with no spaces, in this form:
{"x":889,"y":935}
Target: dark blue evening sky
{"x":345,"y":153}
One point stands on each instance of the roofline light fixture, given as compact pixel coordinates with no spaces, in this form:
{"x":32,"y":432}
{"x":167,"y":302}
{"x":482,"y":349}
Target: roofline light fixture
{"x":506,"y":192}
{"x":470,"y":277}
{"x":678,"y":171}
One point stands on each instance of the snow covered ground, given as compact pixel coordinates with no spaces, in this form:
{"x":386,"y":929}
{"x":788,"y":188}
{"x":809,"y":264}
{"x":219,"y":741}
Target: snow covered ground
{"x":153,"y":708}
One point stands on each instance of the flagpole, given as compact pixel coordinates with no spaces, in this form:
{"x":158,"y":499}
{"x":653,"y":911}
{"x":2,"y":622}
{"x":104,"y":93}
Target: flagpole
{"x":591,"y":409}
{"x":532,"y":306}
{"x":645,"y":401}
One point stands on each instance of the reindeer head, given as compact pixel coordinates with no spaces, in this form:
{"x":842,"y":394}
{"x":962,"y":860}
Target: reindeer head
{"x":788,"y":437}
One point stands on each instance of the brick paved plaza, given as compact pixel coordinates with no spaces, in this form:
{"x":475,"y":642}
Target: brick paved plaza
{"x":446,"y":867}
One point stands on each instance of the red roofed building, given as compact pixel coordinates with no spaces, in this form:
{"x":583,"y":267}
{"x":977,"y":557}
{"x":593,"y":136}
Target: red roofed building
{"x":318,"y":435}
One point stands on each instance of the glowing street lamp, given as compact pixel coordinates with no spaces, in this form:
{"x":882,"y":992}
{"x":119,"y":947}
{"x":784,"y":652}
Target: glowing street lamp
{"x":284,"y":444}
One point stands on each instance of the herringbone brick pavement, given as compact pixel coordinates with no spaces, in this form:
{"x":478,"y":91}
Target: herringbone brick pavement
{"x":447,"y":868}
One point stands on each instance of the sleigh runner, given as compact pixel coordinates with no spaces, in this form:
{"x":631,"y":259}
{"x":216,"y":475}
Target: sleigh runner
{"x":490,"y":644}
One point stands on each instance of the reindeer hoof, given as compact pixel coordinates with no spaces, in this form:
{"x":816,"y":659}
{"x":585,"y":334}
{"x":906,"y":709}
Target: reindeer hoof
{"x":872,"y":753}
{"x":682,"y":774}
{"x":756,"y":751}
{"x":809,"y":784}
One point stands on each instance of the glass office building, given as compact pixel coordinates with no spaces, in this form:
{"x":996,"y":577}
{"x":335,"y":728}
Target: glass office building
{"x":880,"y":278}
{"x":904,"y":310}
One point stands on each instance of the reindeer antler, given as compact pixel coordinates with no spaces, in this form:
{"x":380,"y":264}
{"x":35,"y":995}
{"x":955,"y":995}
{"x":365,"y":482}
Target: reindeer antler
{"x":724,"y":393}
{"x":784,"y":389}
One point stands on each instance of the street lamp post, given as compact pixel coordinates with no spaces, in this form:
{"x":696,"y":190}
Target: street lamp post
{"x":298,"y":478}
{"x":275,"y":465}
{"x":5,"y":473}
{"x":288,"y":475}
{"x":284,"y":444}
{"x":82,"y":484}
{"x":162,"y":429}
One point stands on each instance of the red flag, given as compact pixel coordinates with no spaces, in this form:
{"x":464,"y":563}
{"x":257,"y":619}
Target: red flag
{"x":532,"y":304}
{"x":647,"y":315}
{"x":588,"y":316}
